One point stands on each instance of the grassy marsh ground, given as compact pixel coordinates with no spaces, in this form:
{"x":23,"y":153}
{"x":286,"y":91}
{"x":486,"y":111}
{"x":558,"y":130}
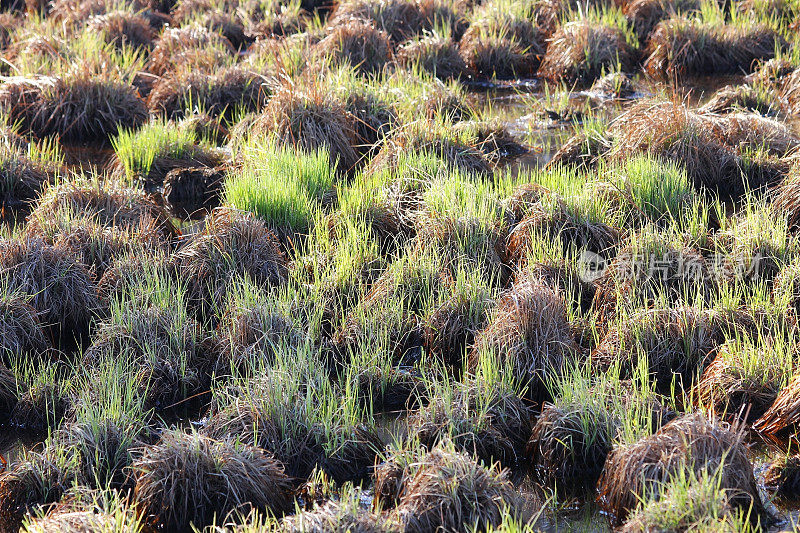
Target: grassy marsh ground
{"x":399,"y":265}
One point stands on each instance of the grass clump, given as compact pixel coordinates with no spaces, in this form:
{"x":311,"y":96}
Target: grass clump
{"x":689,"y":445}
{"x":68,"y":106}
{"x":581,"y":51}
{"x":147,"y":155}
{"x":189,"y":480}
{"x":189,"y":49}
{"x":684,"y":47}
{"x":432,"y":54}
{"x":447,"y":490}
{"x":223,"y":94}
{"x":357,"y":44}
{"x":123,"y":28}
{"x":529,"y":331}
{"x":282,"y":185}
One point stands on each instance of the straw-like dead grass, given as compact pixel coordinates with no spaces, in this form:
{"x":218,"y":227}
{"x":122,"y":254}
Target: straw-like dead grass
{"x":188,"y":49}
{"x":681,"y":47}
{"x":123,"y":28}
{"x":233,"y":242}
{"x":80,"y":107}
{"x":782,"y":417}
{"x":225,"y":93}
{"x":580,"y":51}
{"x":188,"y":479}
{"x":356,"y":43}
{"x":432,"y":54}
{"x":529,"y":331}
{"x":193,"y":192}
{"x":691,"y":442}
{"x":783,"y":478}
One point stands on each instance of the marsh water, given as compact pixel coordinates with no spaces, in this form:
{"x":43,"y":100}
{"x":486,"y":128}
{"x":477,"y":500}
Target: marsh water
{"x":541,"y":118}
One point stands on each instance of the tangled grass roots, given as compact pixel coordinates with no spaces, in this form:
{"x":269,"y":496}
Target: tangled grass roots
{"x":678,"y":343}
{"x":448,"y":491}
{"x":781,"y":419}
{"x":432,"y":54}
{"x":60,"y":289}
{"x":192,"y":192}
{"x":530,"y":330}
{"x":223,"y":94}
{"x":123,"y":28}
{"x":358,"y":44}
{"x":693,"y":442}
{"x":567,"y":451}
{"x":121,"y":207}
{"x":783,"y":478}
{"x":559,"y":224}
{"x":188,"y":479}
{"x":704,"y":144}
{"x":21,"y":331}
{"x":681,"y":47}
{"x":233,"y":242}
{"x":580,"y":51}
{"x":311,"y":122}
{"x":725,"y":389}
{"x":498,"y":434}
{"x":733,"y":98}
{"x":78,"y":108}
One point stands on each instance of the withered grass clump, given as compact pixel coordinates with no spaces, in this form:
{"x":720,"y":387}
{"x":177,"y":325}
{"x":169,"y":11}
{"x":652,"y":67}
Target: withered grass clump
{"x":493,"y":426}
{"x":400,"y":19}
{"x":728,"y":389}
{"x":108,"y":204}
{"x":206,"y":128}
{"x":581,"y":151}
{"x":221,"y":94}
{"x":26,"y":487}
{"x":677,"y":343}
{"x":644,"y":15}
{"x":786,"y":202}
{"x":357,"y":44}
{"x":568,"y":447}
{"x":742,"y":97}
{"x":783,"y":478}
{"x":233,"y":242}
{"x":530,"y":332}
{"x":455,"y":153}
{"x":448,"y":491}
{"x":169,"y":355}
{"x":451,"y":327}
{"x":80,"y":107}
{"x":684,"y":47}
{"x":41,"y":407}
{"x":556,"y":222}
{"x":60,"y":288}
{"x":432,"y":54}
{"x":187,"y":480}
{"x":310,"y":122}
{"x":783,"y":416}
{"x":186,"y":49}
{"x":123,"y":28}
{"x":335,"y":516}
{"x":21,"y":330}
{"x":21,"y":180}
{"x":703,"y":144}
{"x":374,"y":119}
{"x":616,"y":85}
{"x":580,"y":51}
{"x":690,"y":443}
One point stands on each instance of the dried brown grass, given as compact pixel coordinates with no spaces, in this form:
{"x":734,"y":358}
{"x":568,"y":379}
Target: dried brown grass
{"x":691,"y":442}
{"x":355,"y":43}
{"x":188,"y":479}
{"x":782,"y":417}
{"x":432,"y":54}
